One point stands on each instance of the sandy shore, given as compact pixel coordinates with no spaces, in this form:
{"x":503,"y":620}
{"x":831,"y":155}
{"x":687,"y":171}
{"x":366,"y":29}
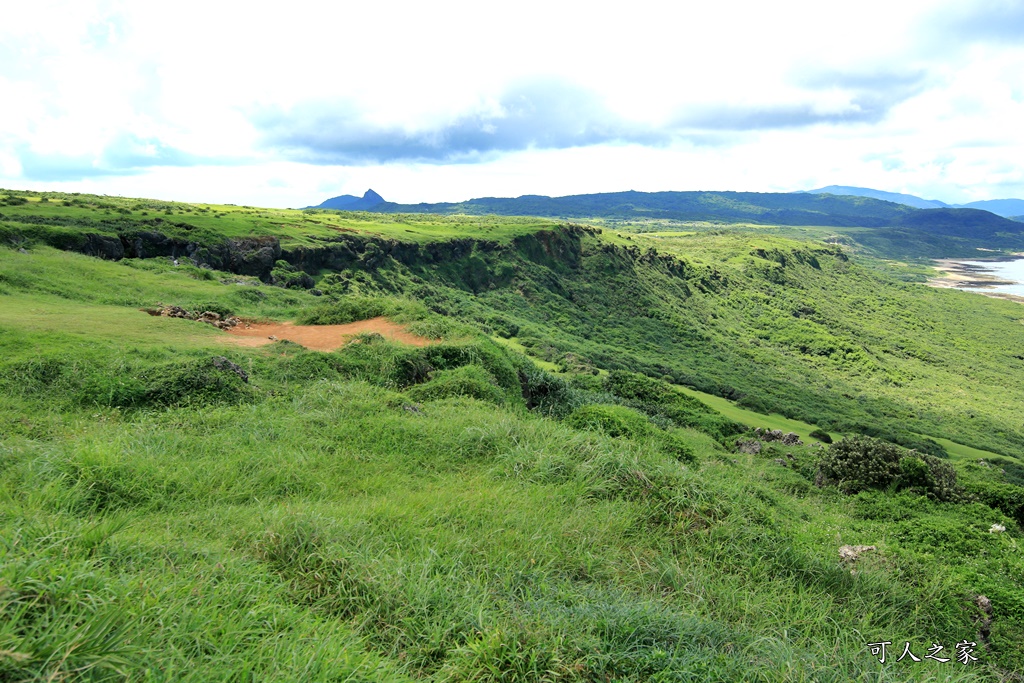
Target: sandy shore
{"x":971,"y":277}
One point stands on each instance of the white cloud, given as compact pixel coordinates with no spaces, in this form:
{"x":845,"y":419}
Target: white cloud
{"x":730,"y":95}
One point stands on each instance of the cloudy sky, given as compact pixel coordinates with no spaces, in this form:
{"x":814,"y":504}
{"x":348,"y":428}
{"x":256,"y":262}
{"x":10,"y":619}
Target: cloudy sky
{"x":444,"y":101}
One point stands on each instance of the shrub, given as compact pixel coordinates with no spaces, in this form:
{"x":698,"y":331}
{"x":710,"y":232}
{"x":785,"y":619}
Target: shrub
{"x":349,"y":309}
{"x":211,"y":380}
{"x":821,"y":435}
{"x":676,"y":446}
{"x":861,"y":463}
{"x":546,"y":393}
{"x":1007,"y":498}
{"x":618,"y":421}
{"x":661,"y":401}
{"x":470,"y":380}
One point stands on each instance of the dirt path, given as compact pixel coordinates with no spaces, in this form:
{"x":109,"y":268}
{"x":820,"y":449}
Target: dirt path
{"x":320,"y":337}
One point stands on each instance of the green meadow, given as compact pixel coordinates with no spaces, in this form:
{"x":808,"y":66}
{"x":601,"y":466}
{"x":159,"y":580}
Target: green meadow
{"x":549,"y":490}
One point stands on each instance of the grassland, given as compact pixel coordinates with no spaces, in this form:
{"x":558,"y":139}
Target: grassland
{"x":213,"y":222}
{"x":396,"y":513}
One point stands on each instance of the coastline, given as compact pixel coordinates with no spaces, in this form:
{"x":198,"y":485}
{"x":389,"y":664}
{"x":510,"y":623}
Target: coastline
{"x":955,"y":274}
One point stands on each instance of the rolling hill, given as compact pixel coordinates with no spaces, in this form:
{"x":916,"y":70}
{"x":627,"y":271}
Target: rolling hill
{"x":767,"y":208}
{"x":1006,"y":208}
{"x":348,"y":202}
{"x":897,"y":197}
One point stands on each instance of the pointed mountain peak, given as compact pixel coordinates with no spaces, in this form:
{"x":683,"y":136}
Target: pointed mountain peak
{"x":348,"y":202}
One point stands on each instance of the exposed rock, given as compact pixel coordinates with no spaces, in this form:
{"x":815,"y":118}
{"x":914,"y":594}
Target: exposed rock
{"x":175,"y":312}
{"x":251,"y":255}
{"x":104,"y":247}
{"x":790,"y":439}
{"x":150,"y":244}
{"x":780,"y":461}
{"x":222,"y":363}
{"x":985,"y":622}
{"x":209,"y":317}
{"x":751,"y":447}
{"x":851,"y":553}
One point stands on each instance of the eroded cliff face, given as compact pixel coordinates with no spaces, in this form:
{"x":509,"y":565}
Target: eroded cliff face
{"x":472,"y":264}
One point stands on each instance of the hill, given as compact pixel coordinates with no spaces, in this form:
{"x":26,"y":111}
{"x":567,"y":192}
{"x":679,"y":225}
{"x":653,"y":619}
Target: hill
{"x":1001,"y":207}
{"x":756,"y":207}
{"x":347,"y":202}
{"x":1006,"y":208}
{"x":563,"y":482}
{"x":899,"y":198}
{"x":968,"y":223}
{"x":885,"y":228}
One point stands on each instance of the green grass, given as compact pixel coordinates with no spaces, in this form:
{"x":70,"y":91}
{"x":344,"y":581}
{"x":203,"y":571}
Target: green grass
{"x":393,"y":513}
{"x":513,"y":343}
{"x":375,"y":528}
{"x":753,"y":419}
{"x":959,"y":451}
{"x":293,"y":227}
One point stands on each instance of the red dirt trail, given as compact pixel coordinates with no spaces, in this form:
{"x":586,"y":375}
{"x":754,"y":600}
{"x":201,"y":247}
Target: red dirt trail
{"x":321,"y":337}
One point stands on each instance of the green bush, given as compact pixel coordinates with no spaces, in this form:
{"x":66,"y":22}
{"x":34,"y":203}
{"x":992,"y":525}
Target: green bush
{"x":349,"y":309}
{"x":483,"y":352}
{"x":210,"y":380}
{"x":662,"y":402}
{"x":546,"y":393}
{"x":861,"y":463}
{"x":676,"y":446}
{"x":618,"y":421}
{"x":438,"y":327}
{"x":468,"y":381}
{"x":1007,"y":498}
{"x":821,"y":435}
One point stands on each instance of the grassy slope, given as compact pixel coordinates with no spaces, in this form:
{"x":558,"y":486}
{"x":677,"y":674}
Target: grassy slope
{"x":324,"y":528}
{"x":214,"y":222}
{"x":834,"y":343}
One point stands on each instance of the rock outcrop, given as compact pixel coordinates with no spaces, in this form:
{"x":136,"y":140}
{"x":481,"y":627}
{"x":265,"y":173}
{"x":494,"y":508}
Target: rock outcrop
{"x":789,"y":439}
{"x":208,"y":317}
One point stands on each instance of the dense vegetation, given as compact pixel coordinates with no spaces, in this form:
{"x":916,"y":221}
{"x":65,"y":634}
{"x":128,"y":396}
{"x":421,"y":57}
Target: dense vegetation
{"x":540,"y":494}
{"x":883,"y":227}
{"x":789,"y":208}
{"x":764,"y":207}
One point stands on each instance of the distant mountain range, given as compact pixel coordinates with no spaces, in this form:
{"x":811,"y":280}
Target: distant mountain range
{"x":349,"y":202}
{"x":898,"y":226}
{"x":1001,"y":207}
{"x":756,"y":207}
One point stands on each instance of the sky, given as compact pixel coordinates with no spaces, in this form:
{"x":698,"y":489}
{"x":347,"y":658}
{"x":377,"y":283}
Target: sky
{"x":446,"y":101}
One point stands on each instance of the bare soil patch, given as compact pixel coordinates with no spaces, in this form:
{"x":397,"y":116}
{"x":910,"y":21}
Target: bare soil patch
{"x":320,"y":337}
